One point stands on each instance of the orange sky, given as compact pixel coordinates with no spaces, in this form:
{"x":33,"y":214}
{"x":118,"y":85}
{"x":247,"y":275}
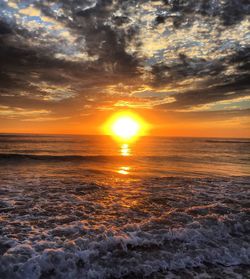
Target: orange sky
{"x":67,"y":66}
{"x":161,"y":124}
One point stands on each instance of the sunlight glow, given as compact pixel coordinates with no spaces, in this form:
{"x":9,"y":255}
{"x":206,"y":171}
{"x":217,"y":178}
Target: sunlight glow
{"x":125,"y":126}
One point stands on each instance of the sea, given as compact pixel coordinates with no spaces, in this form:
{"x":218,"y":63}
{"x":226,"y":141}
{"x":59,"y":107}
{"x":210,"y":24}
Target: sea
{"x":91,"y":207}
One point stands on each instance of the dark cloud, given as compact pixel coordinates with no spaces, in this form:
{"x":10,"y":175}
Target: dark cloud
{"x":62,"y":53}
{"x":237,"y":89}
{"x":216,"y":87}
{"x":186,"y":67}
{"x":211,"y":115}
{"x":229,"y":11}
{"x":241,"y":59}
{"x":4,"y":28}
{"x":19,"y":62}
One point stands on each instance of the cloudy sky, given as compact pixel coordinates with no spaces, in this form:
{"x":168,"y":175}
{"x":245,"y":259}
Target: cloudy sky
{"x":66,"y":65}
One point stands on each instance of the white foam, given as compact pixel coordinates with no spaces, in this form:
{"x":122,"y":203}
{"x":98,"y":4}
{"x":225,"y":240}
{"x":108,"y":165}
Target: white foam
{"x":169,"y":228}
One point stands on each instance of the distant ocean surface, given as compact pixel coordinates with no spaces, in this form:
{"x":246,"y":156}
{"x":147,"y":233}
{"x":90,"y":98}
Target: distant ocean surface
{"x":90,"y":207}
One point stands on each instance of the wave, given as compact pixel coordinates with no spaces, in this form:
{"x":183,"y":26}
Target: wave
{"x":40,"y":157}
{"x":229,"y":141}
{"x":63,"y":227}
{"x":131,"y":253}
{"x":21,"y":157}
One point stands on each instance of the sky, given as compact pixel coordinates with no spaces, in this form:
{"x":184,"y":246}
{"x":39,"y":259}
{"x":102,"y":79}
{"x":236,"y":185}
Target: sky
{"x":67,"y":65}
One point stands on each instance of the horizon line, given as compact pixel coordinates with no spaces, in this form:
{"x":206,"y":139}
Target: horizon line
{"x":158,"y":136}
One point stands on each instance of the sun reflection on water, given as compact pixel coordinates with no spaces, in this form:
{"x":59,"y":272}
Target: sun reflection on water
{"x":124,"y":170}
{"x":125,"y":150}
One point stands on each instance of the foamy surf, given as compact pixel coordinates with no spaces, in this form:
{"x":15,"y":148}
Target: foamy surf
{"x":92,"y":232}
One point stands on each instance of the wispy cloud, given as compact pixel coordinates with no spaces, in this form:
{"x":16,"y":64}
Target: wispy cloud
{"x":16,"y":112}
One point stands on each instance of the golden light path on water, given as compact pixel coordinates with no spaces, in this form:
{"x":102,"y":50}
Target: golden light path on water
{"x":125,"y":127}
{"x":125,"y":151}
{"x":124,"y":170}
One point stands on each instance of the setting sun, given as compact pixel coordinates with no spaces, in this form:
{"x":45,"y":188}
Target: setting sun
{"x":125,"y":126}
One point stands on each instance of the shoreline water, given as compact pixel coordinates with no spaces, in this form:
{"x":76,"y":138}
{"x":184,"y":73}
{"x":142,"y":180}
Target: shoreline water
{"x":143,"y":215}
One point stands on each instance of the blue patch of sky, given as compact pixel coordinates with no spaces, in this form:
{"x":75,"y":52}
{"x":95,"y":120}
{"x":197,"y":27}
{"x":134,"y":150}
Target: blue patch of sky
{"x":156,"y":58}
{"x":29,"y":19}
{"x":56,"y":6}
{"x":26,"y":4}
{"x":6,"y":13}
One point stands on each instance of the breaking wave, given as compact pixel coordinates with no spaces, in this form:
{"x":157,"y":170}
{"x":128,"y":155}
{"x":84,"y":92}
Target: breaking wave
{"x":134,"y":251}
{"x":89,"y":230}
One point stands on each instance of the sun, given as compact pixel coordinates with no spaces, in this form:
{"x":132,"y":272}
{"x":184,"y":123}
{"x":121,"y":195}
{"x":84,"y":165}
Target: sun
{"x":125,"y":126}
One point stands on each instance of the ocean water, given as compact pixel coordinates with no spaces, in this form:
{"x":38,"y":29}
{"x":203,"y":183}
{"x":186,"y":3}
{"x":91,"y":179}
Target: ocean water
{"x":89,"y":207}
